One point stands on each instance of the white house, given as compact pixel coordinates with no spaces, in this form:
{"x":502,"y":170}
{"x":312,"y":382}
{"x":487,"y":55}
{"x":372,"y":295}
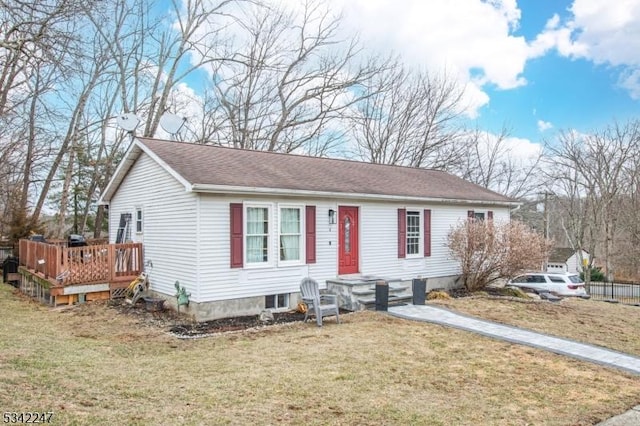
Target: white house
{"x":566,"y":259}
{"x":239,"y":229}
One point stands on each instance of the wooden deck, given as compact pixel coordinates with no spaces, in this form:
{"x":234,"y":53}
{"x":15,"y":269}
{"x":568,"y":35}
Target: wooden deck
{"x":64,"y":275}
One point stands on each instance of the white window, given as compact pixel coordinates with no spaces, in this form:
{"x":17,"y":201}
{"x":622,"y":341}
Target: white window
{"x":139,"y":220}
{"x":277,"y":301}
{"x":257,"y":234}
{"x":478,"y":215}
{"x":414,"y":233}
{"x":291,"y":236}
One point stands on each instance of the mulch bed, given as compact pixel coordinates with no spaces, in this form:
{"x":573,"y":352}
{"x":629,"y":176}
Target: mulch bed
{"x":184,"y":327}
{"x":233,"y":324}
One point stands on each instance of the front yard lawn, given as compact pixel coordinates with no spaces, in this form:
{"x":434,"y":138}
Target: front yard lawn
{"x":91,"y":364}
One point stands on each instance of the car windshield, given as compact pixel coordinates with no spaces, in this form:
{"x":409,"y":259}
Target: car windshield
{"x":574,"y":279}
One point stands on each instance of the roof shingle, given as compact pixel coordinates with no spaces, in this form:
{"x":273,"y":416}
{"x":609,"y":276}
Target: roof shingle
{"x":221,"y":166}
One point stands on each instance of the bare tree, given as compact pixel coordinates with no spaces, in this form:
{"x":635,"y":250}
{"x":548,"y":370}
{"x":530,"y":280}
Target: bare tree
{"x":589,"y":174}
{"x":408,"y":118}
{"x":288,"y":81}
{"x":491,"y":161}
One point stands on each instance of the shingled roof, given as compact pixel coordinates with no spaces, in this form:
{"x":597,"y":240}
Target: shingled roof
{"x":209,"y":168}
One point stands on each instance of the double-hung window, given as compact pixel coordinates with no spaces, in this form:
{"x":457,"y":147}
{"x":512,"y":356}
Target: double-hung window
{"x":257,"y":235}
{"x":138,"y":220}
{"x":291,"y":234}
{"x":413,"y":233}
{"x":270,"y":234}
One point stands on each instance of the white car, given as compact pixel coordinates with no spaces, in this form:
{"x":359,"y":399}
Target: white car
{"x":560,"y":284}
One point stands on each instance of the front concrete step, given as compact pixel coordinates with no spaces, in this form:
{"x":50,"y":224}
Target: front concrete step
{"x":358,"y":293}
{"x":394,"y":299}
{"x":393,"y":289}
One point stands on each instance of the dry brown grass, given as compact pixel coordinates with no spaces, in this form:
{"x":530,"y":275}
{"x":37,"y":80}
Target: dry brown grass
{"x":614,"y":326}
{"x":91,"y":365}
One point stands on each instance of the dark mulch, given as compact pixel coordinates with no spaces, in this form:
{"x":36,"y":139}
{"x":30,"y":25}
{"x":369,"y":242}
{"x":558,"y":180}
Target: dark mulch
{"x":233,"y":324}
{"x":184,"y":327}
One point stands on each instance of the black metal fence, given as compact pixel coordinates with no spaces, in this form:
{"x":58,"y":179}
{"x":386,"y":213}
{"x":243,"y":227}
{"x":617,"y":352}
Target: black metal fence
{"x":623,"y":292}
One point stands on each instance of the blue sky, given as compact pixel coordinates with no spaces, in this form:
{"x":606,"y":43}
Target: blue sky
{"x":535,"y":66}
{"x":567,"y":93}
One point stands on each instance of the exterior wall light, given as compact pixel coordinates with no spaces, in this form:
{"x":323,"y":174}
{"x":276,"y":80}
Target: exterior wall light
{"x":332,"y":217}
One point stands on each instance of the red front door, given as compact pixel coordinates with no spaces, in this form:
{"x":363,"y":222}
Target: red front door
{"x":347,"y":240}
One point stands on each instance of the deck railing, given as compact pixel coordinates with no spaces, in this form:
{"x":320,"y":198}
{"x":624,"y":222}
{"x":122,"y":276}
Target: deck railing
{"x":82,"y":265}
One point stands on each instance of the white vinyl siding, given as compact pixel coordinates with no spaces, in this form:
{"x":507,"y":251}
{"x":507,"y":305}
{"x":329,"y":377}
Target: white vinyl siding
{"x":220,"y":282}
{"x":379,"y":236}
{"x":187,"y":236}
{"x":170,"y":217}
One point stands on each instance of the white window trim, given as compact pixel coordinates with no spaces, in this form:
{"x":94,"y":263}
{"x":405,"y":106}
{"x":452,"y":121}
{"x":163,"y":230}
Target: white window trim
{"x":303,"y":242}
{"x":280,"y":308}
{"x":485,"y":214}
{"x":270,"y":254}
{"x":135,"y":220}
{"x":420,"y":253}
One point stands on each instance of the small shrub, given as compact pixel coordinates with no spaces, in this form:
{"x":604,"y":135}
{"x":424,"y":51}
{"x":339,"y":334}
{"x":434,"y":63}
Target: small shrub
{"x":596,"y":274}
{"x":439,"y":294}
{"x":514,"y":292}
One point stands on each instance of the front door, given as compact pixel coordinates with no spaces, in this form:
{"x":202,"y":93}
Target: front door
{"x":348,"y":240}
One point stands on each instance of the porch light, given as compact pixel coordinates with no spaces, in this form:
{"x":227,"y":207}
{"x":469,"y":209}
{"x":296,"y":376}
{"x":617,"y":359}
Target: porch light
{"x":332,"y":217}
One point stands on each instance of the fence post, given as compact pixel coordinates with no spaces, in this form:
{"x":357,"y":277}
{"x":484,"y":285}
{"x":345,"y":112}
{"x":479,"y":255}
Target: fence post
{"x":612,"y":296}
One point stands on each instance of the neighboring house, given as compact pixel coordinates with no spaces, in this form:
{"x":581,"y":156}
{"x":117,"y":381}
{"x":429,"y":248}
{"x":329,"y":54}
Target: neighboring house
{"x":239,"y":229}
{"x":566,"y":259}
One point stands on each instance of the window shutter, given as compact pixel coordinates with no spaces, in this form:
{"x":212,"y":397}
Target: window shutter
{"x":402,"y":233}
{"x":427,"y":233}
{"x":470,"y":214}
{"x":490,"y":215}
{"x":310,"y":222}
{"x":236,"y":225}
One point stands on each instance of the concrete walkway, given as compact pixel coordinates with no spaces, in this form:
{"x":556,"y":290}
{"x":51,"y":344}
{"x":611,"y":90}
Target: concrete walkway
{"x":558,"y":345}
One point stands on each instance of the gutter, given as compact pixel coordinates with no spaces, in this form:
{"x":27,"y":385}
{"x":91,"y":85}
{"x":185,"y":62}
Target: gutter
{"x":244,"y":190}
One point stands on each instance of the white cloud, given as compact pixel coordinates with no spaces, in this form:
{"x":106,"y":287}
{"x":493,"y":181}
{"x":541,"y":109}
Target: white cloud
{"x":470,"y":39}
{"x":544,"y":125}
{"x":630,"y":80}
{"x":604,"y":32}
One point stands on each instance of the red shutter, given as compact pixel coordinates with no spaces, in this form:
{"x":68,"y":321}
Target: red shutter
{"x":310,"y":222}
{"x":490,"y":215}
{"x":402,"y":233}
{"x":470,"y":214}
{"x":236,"y":224}
{"x":427,"y":233}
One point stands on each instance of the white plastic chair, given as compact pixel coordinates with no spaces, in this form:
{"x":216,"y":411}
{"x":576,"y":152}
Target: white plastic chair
{"x":320,"y":305}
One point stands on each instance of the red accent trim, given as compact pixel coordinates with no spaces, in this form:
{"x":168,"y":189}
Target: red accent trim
{"x":490,"y":215}
{"x":470,"y":214}
{"x":310,"y":223}
{"x":427,"y":233}
{"x":402,"y":233}
{"x":236,"y":235}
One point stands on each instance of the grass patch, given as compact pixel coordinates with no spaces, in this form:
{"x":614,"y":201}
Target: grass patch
{"x":91,"y":364}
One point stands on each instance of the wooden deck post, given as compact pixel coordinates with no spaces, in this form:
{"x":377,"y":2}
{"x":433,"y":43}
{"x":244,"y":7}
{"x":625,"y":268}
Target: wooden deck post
{"x":111,"y":259}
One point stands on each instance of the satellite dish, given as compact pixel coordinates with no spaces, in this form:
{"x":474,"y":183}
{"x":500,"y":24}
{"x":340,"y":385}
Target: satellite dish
{"x":171,"y":123}
{"x":128,"y":121}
